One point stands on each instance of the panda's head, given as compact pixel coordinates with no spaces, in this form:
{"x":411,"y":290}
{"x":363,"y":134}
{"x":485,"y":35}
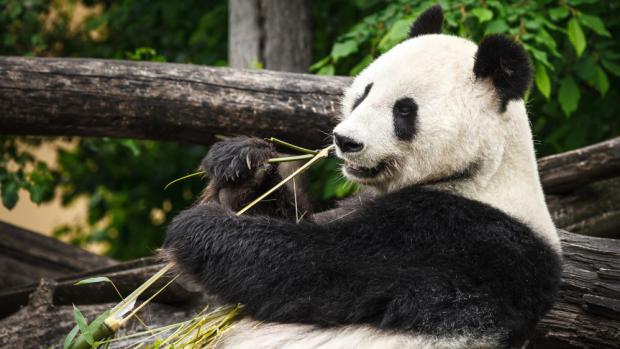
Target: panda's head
{"x":434,"y":108}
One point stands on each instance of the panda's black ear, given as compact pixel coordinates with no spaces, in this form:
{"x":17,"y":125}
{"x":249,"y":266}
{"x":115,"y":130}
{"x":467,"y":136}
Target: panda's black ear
{"x":429,"y":22}
{"x":507,"y":64}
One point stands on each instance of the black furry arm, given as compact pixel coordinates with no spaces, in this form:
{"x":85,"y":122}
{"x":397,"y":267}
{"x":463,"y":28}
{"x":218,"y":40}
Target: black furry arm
{"x":416,"y":260}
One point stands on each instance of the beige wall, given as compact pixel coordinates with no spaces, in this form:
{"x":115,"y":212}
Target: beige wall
{"x":44,"y":218}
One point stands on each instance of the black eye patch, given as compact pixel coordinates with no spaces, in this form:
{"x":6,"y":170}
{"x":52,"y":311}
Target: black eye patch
{"x":404,"y":112}
{"x":361,"y":98}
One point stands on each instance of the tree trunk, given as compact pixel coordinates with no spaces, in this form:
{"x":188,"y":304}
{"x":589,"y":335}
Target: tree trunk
{"x":273,"y":34}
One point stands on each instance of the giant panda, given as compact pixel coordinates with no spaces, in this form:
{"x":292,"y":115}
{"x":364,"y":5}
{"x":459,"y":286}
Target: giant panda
{"x":450,"y":245}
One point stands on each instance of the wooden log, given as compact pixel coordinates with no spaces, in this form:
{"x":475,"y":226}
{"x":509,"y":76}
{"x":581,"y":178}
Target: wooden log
{"x":126,"y":277}
{"x":592,"y":209}
{"x":26,"y":257}
{"x":42,"y":324}
{"x":566,"y":171}
{"x":587,"y":313}
{"x":144,"y":100}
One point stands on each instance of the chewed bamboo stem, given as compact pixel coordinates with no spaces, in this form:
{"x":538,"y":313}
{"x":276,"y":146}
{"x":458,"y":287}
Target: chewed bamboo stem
{"x":292,"y":146}
{"x":290,"y":158}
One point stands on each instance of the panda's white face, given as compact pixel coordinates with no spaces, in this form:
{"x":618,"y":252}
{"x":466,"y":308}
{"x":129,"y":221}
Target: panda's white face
{"x":418,"y":115}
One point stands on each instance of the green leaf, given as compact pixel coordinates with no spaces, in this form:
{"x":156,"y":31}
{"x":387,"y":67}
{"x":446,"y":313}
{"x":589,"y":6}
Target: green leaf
{"x":343,"y":49}
{"x":131,"y":145}
{"x":70,"y":337}
{"x":611,"y":67}
{"x":601,"y":82}
{"x":395,"y":35}
{"x":93,"y":280}
{"x":482,"y":14}
{"x":558,"y":13}
{"x":497,"y":26}
{"x":318,"y":65}
{"x":568,"y":95}
{"x":595,"y":23}
{"x":542,"y":80}
{"x":576,"y":37}
{"x":81,"y":321}
{"x":37,"y":194}
{"x":327,"y":70}
{"x":10,"y":195}
{"x":98,"y":321}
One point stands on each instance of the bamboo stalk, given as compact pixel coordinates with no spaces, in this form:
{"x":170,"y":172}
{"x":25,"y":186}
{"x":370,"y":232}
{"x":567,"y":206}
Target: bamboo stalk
{"x":290,"y":158}
{"x":321,"y":154}
{"x":292,"y":146}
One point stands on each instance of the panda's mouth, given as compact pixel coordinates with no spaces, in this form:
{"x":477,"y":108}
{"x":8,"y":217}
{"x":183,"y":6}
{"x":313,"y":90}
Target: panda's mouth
{"x":364,"y":172}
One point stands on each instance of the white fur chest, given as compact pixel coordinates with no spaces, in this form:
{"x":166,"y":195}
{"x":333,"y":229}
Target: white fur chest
{"x":251,"y":334}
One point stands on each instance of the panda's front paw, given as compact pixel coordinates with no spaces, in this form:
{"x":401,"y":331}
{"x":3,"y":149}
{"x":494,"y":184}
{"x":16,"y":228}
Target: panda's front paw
{"x":238,"y":159}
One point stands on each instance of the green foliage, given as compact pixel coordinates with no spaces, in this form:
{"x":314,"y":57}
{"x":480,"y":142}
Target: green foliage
{"x":19,"y":169}
{"x":124,"y":182}
{"x":122,"y":179}
{"x":573,"y":45}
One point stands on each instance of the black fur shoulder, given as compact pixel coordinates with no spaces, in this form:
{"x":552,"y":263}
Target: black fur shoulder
{"x":416,"y":260}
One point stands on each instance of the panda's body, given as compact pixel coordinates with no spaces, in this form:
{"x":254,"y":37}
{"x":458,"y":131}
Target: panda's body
{"x":455,"y":249}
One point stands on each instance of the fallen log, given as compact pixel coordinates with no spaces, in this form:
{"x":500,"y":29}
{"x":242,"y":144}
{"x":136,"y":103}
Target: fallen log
{"x":26,"y":257}
{"x":566,"y":171}
{"x":177,"y":102}
{"x":587,"y":314}
{"x":592,"y":209}
{"x":126,"y":277}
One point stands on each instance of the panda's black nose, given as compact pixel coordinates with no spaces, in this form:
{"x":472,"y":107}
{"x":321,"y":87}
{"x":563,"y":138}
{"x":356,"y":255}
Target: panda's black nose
{"x":347,"y":145}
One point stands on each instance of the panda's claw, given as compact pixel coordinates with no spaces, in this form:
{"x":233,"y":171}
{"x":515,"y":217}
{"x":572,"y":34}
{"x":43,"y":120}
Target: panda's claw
{"x":236,"y":159}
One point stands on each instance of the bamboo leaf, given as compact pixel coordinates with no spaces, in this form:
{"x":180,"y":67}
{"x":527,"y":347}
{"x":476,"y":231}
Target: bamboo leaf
{"x":576,"y":37}
{"x":98,"y":321}
{"x":184,"y":177}
{"x":70,"y":337}
{"x":93,"y":280}
{"x":83,"y":325}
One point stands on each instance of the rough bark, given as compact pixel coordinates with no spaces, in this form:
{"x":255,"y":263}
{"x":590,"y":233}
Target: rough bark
{"x":43,"y":324}
{"x":144,"y":100}
{"x":65,"y":291}
{"x":274,"y":34}
{"x":288,"y":40}
{"x":25,"y":257}
{"x":592,"y":209}
{"x":566,"y":171}
{"x":244,"y":34}
{"x":587,"y":314}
